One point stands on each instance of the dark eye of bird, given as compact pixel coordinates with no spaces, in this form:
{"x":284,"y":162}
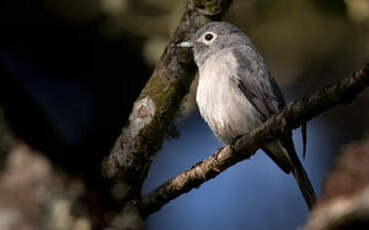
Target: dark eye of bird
{"x":208,"y":37}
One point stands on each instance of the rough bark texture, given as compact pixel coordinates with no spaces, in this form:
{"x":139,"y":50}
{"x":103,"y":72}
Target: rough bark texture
{"x":293,"y":116}
{"x":143,"y":135}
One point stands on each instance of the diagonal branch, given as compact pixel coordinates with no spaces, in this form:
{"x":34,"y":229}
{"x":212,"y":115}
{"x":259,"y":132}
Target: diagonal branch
{"x":152,"y":112}
{"x":291,"y":117}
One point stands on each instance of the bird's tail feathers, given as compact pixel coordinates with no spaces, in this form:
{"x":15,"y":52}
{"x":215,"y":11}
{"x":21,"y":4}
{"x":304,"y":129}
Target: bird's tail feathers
{"x":303,"y":181}
{"x":283,"y":153}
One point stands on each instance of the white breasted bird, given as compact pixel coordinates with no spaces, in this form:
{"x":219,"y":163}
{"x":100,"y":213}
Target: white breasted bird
{"x":236,"y":94}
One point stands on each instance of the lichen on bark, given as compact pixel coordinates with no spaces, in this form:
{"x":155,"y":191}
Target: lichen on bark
{"x":135,"y":148}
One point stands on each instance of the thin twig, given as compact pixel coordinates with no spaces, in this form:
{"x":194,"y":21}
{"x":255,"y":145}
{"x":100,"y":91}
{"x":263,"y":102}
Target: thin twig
{"x":291,"y":117}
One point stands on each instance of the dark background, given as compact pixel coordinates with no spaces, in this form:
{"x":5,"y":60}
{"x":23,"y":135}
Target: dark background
{"x":70,"y":71}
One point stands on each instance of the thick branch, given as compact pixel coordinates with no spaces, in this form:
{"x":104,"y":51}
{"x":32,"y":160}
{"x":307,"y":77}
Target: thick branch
{"x":293,"y":116}
{"x":342,"y":213}
{"x":142,"y":137}
{"x":344,"y":203}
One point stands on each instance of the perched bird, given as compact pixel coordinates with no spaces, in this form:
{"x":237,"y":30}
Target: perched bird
{"x":236,"y":93}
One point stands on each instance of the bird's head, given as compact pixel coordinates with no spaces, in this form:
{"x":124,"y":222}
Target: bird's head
{"x":212,"y":38}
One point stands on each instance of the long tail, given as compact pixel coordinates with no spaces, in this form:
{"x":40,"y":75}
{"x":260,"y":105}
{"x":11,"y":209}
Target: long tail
{"x":283,"y":153}
{"x":303,"y":181}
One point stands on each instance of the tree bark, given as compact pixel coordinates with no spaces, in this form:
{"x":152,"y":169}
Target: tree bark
{"x":152,"y":112}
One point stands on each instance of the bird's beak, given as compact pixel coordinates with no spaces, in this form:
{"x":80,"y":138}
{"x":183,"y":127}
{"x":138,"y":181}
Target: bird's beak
{"x":187,"y":44}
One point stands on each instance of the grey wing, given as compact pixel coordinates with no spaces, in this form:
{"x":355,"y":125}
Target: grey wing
{"x":262,"y":92}
{"x":280,"y":97}
{"x":258,"y":86}
{"x":279,"y":94}
{"x":260,"y":89}
{"x":255,"y":82}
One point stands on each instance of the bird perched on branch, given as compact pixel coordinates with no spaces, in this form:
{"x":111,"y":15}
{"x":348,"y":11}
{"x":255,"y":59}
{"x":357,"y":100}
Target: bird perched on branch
{"x":236,"y":94}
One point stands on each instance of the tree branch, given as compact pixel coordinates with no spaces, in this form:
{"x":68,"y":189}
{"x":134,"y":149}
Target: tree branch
{"x":342,"y":213}
{"x":291,"y":117}
{"x":344,"y":203}
{"x":142,"y":137}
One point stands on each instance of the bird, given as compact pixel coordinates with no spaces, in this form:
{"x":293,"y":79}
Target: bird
{"x":236,"y":93}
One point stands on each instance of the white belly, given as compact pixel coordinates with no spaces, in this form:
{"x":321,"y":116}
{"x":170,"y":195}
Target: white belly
{"x":222,"y":104}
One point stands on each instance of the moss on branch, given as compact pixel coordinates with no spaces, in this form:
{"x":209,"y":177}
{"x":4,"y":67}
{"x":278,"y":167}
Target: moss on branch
{"x":153,"y":111}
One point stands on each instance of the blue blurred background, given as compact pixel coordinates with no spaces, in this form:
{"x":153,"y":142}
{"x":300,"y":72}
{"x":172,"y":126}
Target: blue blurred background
{"x":253,"y":194}
{"x":71,"y":69}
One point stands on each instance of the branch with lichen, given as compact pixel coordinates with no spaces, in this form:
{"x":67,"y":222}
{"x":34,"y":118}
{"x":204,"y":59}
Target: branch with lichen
{"x":153,"y":111}
{"x":291,"y":117}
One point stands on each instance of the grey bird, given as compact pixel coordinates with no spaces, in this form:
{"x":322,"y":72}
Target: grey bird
{"x":236,"y":93}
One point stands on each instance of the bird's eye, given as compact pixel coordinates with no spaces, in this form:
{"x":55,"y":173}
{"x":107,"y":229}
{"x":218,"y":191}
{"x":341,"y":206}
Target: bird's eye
{"x":209,"y":37}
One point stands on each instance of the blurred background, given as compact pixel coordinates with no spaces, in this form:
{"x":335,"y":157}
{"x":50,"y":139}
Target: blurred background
{"x":71,"y":69}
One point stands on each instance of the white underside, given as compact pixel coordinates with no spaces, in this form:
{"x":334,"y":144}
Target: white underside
{"x":222,"y":104}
